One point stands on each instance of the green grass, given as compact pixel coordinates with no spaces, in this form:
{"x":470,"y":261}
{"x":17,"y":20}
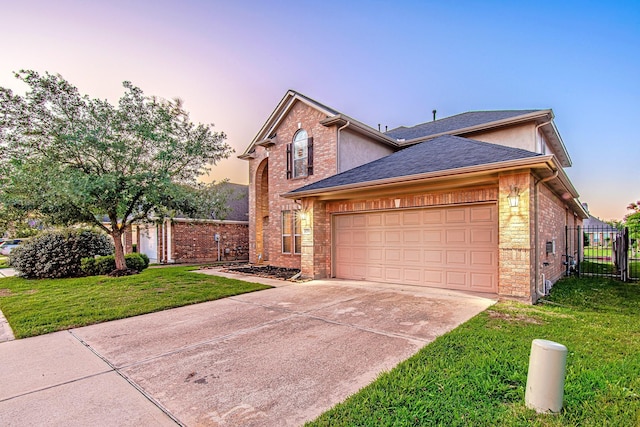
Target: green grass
{"x":4,"y":262}
{"x":35,"y":307}
{"x":476,"y":375}
{"x":603,"y":267}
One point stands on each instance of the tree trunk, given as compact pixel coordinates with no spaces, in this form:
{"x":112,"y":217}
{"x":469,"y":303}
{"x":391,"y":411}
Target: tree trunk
{"x":119,"y":250}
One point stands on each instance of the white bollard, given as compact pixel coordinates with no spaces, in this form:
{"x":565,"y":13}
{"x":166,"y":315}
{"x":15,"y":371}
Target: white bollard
{"x":545,"y":380}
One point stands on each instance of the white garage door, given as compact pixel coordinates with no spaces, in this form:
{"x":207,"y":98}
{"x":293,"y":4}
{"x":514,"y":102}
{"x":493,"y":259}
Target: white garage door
{"x":453,"y":247}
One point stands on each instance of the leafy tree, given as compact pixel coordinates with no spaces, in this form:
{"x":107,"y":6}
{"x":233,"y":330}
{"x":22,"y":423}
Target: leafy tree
{"x":72,"y":159}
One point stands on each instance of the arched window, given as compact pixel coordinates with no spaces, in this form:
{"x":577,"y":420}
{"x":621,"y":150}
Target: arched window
{"x":299,"y":155}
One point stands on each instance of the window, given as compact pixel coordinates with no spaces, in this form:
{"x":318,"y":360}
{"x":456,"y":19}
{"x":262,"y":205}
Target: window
{"x":300,"y":155}
{"x":291,"y":232}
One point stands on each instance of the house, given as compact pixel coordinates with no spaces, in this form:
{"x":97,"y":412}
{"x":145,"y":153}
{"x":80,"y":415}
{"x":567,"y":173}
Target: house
{"x":598,"y":232}
{"x":185,"y":240}
{"x":465,"y":202}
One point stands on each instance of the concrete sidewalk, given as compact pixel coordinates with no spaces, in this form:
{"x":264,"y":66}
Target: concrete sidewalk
{"x":277,"y":357}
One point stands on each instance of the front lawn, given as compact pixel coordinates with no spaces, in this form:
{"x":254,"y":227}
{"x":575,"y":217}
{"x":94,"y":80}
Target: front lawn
{"x":476,"y":375}
{"x":35,"y":307}
{"x":4,"y":261}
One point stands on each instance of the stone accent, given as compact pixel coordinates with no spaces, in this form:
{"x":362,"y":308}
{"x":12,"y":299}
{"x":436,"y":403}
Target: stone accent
{"x":515,"y":242}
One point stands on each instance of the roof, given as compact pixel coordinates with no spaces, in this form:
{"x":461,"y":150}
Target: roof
{"x":454,"y":123}
{"x":439,"y":154}
{"x":593,"y":224}
{"x":238,"y":202}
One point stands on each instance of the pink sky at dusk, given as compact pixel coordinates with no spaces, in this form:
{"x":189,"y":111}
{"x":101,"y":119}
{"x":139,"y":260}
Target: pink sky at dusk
{"x":379,"y":62}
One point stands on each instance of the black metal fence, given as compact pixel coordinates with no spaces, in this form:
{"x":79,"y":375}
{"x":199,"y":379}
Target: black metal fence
{"x":603,"y":251}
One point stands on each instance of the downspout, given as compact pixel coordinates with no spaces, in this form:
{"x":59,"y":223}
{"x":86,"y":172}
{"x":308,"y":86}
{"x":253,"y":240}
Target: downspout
{"x":535,"y":133}
{"x":338,"y":145}
{"x":535,"y":234}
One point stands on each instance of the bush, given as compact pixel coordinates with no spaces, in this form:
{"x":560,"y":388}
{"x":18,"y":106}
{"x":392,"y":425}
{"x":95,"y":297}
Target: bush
{"x":58,"y":254}
{"x":145,"y":258}
{"x":103,"y":265}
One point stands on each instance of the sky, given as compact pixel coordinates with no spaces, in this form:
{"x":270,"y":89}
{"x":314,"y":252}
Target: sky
{"x":387,"y":62}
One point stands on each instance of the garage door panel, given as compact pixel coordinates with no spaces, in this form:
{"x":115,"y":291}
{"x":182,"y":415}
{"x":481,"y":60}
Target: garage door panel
{"x":483,"y":258}
{"x":455,"y":216}
{"x":482,"y":282}
{"x":410,"y":218}
{"x":359,"y":255}
{"x":358,"y":220}
{"x":433,"y":277}
{"x":411,"y":237}
{"x":374,"y":237}
{"x":455,"y":236}
{"x":433,"y":256}
{"x":450,"y":247}
{"x":412,"y":256}
{"x":432,"y":216}
{"x":393,"y":274}
{"x":479,"y":214}
{"x":432,"y":236}
{"x":374,"y":220}
{"x":392,"y":255}
{"x":392,"y":219}
{"x":481,"y":236}
{"x":374,"y":273}
{"x":359,"y":237}
{"x":374,"y":254}
{"x":393,"y":237}
{"x":456,"y":279}
{"x":412,"y":276}
{"x":457,"y":257}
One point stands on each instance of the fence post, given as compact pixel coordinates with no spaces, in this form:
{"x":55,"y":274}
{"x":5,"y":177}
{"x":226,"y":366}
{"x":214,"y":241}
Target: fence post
{"x":580,"y":253}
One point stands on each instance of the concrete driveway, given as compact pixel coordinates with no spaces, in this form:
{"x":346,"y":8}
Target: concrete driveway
{"x":277,"y":357}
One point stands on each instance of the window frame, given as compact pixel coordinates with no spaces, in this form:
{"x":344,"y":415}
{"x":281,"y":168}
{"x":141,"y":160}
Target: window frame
{"x":299,"y":165}
{"x":291,"y":236}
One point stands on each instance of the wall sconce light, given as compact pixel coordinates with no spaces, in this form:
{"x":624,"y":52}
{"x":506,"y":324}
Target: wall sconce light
{"x":514,"y":196}
{"x":304,"y":215}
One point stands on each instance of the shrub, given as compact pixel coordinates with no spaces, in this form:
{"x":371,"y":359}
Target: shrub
{"x":107,"y":264}
{"x":145,"y":258}
{"x":58,"y":254}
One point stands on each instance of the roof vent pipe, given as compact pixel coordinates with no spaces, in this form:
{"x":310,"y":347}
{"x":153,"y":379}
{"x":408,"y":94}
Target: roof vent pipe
{"x":378,"y":127}
{"x":386,"y":128}
{"x":434,"y":115}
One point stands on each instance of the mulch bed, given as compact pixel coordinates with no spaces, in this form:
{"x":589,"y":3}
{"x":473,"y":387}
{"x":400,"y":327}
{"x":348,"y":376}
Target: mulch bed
{"x":266,"y":271}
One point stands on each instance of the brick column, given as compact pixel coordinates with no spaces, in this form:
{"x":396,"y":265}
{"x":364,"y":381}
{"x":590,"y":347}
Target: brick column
{"x":515,"y":258}
{"x":316,"y":244}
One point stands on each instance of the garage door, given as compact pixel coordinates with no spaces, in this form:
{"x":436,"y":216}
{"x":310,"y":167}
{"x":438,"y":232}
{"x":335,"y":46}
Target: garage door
{"x":453,"y":247}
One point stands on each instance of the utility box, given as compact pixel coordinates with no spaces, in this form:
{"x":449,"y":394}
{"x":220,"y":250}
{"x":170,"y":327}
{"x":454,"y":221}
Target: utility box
{"x":545,"y":380}
{"x":551,"y":247}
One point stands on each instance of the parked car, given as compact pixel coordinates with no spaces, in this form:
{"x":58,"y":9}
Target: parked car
{"x":8,"y":245}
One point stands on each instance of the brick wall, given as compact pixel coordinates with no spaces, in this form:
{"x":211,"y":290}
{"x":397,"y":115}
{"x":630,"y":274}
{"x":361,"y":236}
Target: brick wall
{"x":266,"y":237}
{"x":193,"y":241}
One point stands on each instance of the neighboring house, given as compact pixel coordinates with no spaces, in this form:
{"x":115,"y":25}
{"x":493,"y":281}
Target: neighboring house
{"x":598,"y":232}
{"x":182,"y":240}
{"x":427,"y":205}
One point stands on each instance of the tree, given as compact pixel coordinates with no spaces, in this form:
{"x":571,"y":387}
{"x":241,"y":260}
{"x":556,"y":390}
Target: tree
{"x":73,"y":159}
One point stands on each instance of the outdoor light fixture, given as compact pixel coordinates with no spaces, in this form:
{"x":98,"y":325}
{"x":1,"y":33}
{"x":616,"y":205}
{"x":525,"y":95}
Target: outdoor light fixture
{"x":514,"y":196}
